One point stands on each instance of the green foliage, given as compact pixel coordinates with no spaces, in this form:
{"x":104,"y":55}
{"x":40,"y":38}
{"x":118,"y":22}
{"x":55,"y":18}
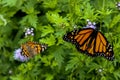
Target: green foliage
{"x":51,"y":19}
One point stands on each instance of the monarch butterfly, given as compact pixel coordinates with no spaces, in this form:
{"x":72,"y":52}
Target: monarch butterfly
{"x":91,"y":42}
{"x":29,"y":49}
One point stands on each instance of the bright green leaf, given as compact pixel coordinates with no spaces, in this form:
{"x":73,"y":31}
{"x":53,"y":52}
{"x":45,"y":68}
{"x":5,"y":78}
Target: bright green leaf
{"x":48,"y":40}
{"x":46,"y":30}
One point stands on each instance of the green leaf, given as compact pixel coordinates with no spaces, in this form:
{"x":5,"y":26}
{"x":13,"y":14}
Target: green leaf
{"x":59,"y":35}
{"x":116,"y":74}
{"x":58,"y":54}
{"x":46,"y":30}
{"x":89,"y":12}
{"x":47,"y":3}
{"x":49,"y":77}
{"x":103,"y":78}
{"x":48,"y":40}
{"x":74,"y":61}
{"x":47,"y":60}
{"x":29,"y":7}
{"x":104,"y":12}
{"x":115,"y":20}
{"x":31,"y":19}
{"x":93,"y":66}
{"x":3,"y":21}
{"x":10,"y":3}
{"x":54,"y":17}
{"x":17,"y":77}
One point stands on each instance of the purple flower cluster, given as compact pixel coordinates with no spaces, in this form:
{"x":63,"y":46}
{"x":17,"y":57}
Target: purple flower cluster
{"x":18,"y":56}
{"x":29,"y":32}
{"x":90,"y":24}
{"x":118,"y":5}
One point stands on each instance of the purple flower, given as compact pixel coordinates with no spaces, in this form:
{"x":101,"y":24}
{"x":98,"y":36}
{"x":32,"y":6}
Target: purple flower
{"x":29,"y":32}
{"x":118,"y":5}
{"x":18,"y":56}
{"x":90,"y":24}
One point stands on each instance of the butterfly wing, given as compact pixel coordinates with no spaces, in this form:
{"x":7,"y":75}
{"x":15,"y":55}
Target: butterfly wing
{"x":25,"y":51}
{"x":102,"y":47}
{"x":77,"y":36}
{"x":91,"y":42}
{"x":85,"y":41}
{"x":82,"y":39}
{"x":30,"y":49}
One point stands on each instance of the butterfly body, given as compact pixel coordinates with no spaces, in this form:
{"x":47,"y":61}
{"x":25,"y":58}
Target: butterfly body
{"x":30,"y":48}
{"x":90,"y":41}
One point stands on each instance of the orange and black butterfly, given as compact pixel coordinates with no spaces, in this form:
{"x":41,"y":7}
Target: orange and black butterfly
{"x":91,"y":42}
{"x":30,"y":48}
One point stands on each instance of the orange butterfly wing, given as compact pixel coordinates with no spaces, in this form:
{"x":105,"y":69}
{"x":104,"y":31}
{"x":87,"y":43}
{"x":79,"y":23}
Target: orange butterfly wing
{"x":103,"y":47}
{"x":91,"y":42}
{"x":30,"y":48}
{"x":85,"y":42}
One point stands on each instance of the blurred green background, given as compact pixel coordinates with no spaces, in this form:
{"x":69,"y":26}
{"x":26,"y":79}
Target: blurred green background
{"x":51,"y":19}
